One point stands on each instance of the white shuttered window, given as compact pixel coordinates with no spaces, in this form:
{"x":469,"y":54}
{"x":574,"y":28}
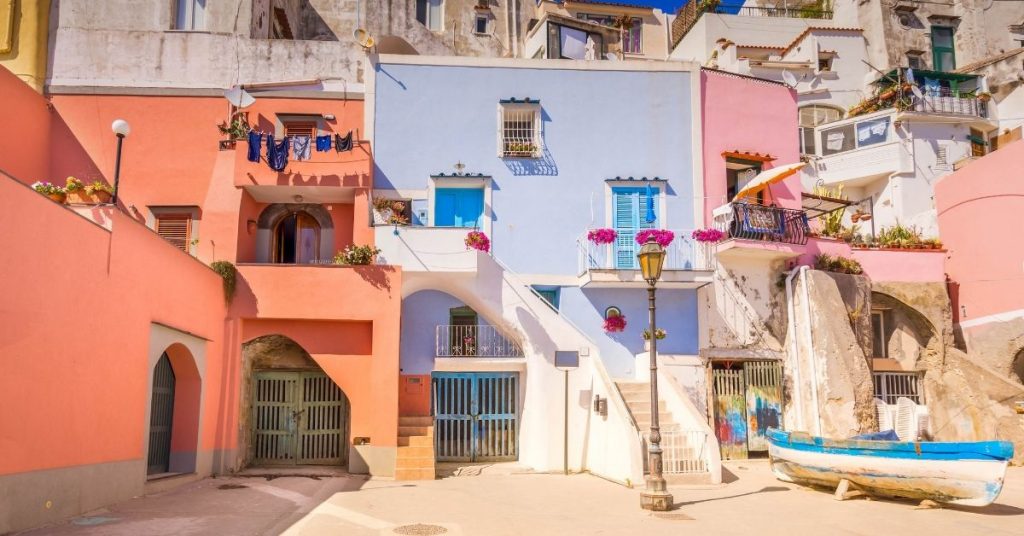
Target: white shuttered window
{"x":519,"y":130}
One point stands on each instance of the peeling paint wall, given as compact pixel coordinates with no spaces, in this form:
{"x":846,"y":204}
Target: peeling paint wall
{"x":132,"y":43}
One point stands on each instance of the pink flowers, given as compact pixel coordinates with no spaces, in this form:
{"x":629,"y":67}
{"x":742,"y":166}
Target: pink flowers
{"x":615,"y":323}
{"x":602,"y":236}
{"x":478,"y":240}
{"x":707,"y":235}
{"x":663,"y":237}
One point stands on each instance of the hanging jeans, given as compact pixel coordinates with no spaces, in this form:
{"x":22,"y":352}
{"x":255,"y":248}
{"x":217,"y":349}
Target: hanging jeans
{"x":301,"y":147}
{"x":277,"y":153}
{"x":255,"y":140}
{"x":323,"y":143}
{"x":343,"y":144}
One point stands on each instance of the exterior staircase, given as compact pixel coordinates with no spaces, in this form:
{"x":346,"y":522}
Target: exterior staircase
{"x":415,"y":459}
{"x":637,"y":396}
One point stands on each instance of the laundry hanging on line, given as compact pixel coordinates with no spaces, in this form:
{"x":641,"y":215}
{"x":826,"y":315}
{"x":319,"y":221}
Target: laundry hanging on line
{"x":301,"y":147}
{"x":323,"y":143}
{"x":342,"y":144}
{"x":255,"y":140}
{"x":277,"y":153}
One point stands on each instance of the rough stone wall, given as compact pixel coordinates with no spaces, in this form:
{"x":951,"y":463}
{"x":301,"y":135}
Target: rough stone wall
{"x":845,"y":390}
{"x":129,"y":43}
{"x":744,"y":307}
{"x":995,"y":346}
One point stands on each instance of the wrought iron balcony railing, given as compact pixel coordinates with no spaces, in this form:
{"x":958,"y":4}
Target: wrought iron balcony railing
{"x":764,"y":223}
{"x":474,"y":341}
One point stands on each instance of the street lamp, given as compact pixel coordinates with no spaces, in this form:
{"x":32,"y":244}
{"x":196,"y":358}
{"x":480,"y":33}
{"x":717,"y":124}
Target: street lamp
{"x":121,"y":129}
{"x":656,"y":496}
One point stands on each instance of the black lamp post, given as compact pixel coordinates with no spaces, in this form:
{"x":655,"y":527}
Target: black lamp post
{"x":656,"y":496}
{"x":121,"y":129}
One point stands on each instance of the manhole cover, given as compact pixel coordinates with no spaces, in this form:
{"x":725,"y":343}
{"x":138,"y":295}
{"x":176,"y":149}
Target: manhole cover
{"x":230,"y":486}
{"x":676,"y":516}
{"x":420,"y":529}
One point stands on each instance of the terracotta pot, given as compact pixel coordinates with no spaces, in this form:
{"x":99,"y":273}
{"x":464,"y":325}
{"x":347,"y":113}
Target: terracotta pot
{"x":79,"y":197}
{"x":59,"y":198}
{"x":102,"y":196}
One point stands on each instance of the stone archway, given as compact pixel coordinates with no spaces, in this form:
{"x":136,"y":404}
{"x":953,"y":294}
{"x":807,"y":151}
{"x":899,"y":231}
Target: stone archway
{"x":913,"y":340}
{"x":274,"y":213}
{"x":291,"y":411}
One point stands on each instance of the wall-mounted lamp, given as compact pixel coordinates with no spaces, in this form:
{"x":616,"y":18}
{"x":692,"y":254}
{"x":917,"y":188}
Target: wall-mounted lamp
{"x":250,"y":226}
{"x":600,"y":405}
{"x":329,"y":117}
{"x":297,"y":198}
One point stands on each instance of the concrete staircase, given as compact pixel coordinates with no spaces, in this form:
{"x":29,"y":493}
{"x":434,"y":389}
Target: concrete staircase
{"x":637,"y":395}
{"x":415,"y":459}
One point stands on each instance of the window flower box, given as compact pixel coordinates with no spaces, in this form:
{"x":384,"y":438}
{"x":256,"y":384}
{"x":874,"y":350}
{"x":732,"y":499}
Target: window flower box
{"x":663,"y":237}
{"x":602,"y":236}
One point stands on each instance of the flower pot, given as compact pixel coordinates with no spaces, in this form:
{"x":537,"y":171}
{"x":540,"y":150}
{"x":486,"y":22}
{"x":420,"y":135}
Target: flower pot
{"x":58,"y":198}
{"x":381,"y":217}
{"x":78,"y":197}
{"x":102,"y":196}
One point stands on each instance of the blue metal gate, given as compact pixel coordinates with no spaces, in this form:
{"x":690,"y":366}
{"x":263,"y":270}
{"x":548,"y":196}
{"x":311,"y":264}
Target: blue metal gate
{"x":476,"y":416}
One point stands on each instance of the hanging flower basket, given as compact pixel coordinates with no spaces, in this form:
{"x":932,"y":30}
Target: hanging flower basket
{"x":602,"y":236}
{"x":707,"y":235}
{"x":663,"y":237}
{"x":478,"y":240}
{"x":615,"y":324}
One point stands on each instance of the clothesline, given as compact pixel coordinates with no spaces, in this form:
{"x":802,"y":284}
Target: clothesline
{"x":277,"y":151}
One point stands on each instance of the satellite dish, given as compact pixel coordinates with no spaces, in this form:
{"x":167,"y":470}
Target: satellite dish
{"x":788,"y":78}
{"x":917,"y":92}
{"x":239,"y":97}
{"x":363,"y":38}
{"x":611,"y":56}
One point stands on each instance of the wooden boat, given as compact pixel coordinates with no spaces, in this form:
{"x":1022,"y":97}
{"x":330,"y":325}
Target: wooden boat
{"x":969,"y":474}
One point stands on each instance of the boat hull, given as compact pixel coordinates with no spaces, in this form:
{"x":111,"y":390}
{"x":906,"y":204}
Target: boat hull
{"x":879,"y":468}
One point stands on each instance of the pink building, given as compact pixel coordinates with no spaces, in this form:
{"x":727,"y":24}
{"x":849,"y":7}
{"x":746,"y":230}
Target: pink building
{"x":133,"y":372}
{"x":978,"y":209}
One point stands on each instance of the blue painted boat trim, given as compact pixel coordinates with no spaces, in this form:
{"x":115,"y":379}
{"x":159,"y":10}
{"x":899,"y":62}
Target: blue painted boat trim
{"x":981,"y":450}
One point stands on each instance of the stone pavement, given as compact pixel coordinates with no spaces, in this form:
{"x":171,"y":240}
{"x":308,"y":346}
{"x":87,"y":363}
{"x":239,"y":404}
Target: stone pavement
{"x":508,"y":502}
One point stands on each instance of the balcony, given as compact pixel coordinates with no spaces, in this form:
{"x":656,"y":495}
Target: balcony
{"x":474,"y":342}
{"x":426,"y":249}
{"x":760,"y":231}
{"x":862,"y":166}
{"x":326,"y":177}
{"x":691,"y":12}
{"x":688,"y":263}
{"x":946,"y":101}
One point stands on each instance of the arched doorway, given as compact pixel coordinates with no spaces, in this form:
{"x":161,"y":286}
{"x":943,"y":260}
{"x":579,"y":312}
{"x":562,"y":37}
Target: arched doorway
{"x":173,"y":434}
{"x":297,"y":239}
{"x":161,"y":417}
{"x":294,"y":413}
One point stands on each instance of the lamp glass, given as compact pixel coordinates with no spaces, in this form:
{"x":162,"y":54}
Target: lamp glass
{"x":121,"y":127}
{"x":652,"y":259}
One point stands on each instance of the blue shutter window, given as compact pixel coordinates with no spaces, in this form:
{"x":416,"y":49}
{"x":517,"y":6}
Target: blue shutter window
{"x":549,"y":294}
{"x":629,"y":206}
{"x":458,"y":207}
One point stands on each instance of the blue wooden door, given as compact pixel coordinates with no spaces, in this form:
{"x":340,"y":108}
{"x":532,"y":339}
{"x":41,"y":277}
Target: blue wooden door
{"x":476,"y":416}
{"x":629,"y":211}
{"x":458,"y":207}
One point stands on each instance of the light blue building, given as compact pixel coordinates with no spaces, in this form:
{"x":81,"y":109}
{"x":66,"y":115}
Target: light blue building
{"x":534,"y":154}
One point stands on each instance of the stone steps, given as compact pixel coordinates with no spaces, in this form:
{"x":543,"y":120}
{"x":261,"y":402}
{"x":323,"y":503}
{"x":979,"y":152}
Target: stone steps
{"x":414,"y":459}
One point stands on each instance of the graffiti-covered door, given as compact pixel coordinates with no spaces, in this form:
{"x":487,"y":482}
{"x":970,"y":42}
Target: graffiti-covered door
{"x":747,"y":401}
{"x":764,"y":401}
{"x":730,"y":412}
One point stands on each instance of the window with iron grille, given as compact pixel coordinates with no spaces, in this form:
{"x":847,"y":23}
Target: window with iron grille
{"x":176,"y":229}
{"x":519,"y":130}
{"x":891,"y":386}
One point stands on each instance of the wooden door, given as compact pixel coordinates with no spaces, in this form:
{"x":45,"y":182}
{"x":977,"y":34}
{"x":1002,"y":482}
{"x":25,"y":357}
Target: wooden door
{"x":730,"y":409}
{"x":298,"y":418}
{"x":764,"y":401}
{"x":476,"y":416}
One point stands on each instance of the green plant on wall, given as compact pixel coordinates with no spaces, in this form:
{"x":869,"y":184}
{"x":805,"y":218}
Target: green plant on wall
{"x":356,"y":255}
{"x":831,"y":223}
{"x":229,"y":274}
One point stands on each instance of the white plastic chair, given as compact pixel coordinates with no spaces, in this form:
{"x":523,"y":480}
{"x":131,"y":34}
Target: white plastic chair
{"x":907,"y":425}
{"x":883,"y":414}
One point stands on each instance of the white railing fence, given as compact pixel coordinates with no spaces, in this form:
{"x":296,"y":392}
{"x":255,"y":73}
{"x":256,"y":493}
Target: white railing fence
{"x":474,"y":341}
{"x":682,"y":451}
{"x":684,"y":253}
{"x":891,"y":386}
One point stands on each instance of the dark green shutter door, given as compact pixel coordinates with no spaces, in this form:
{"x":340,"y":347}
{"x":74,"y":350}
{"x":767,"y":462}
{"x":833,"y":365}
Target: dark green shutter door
{"x":161,"y":417}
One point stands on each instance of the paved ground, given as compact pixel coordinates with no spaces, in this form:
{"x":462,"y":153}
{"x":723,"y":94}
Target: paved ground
{"x":499,"y":502}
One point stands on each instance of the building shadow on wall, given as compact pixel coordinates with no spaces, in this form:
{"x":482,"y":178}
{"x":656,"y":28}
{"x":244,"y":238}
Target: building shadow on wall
{"x":543,"y":166}
{"x":378,"y":275}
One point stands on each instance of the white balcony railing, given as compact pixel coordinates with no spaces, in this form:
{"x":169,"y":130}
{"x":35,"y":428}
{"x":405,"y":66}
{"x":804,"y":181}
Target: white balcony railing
{"x":684,"y":253}
{"x":474,"y":341}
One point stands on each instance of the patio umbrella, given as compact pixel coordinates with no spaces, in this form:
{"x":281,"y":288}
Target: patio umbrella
{"x":649,"y":217}
{"x":767,"y":178}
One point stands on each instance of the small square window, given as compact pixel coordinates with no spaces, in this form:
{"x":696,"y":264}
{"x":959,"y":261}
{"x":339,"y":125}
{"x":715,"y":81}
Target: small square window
{"x":481,"y":24}
{"x":519,"y":130}
{"x":914,"y":60}
{"x":825,"y":64}
{"x":176,"y":229}
{"x":549,"y":294}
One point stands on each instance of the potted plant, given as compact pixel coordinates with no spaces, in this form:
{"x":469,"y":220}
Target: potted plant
{"x":602,"y":236}
{"x":99,"y":191}
{"x":707,"y":235}
{"x":74,"y":191}
{"x":659,"y":334}
{"x":354,"y":255}
{"x":615,"y":323}
{"x":513,"y":148}
{"x":56,"y":193}
{"x":663,"y":237}
{"x":984,"y":96}
{"x":478,"y":240}
{"x":382,"y":210}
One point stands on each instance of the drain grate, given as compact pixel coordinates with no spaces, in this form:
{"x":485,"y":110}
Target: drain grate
{"x":231,"y":486}
{"x":420,"y":529}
